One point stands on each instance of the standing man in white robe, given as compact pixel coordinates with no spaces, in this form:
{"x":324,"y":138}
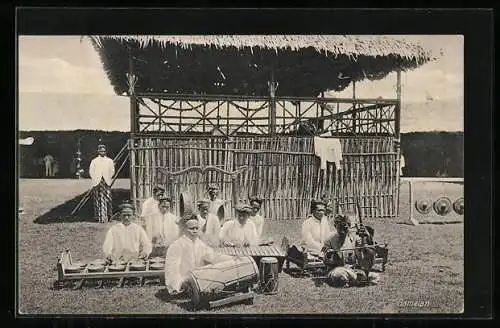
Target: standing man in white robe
{"x":126,"y":240}
{"x":240,"y":232}
{"x":150,"y":206}
{"x":101,"y":170}
{"x":315,"y":229}
{"x":255,"y":217}
{"x":209,"y":224}
{"x":187,"y":253}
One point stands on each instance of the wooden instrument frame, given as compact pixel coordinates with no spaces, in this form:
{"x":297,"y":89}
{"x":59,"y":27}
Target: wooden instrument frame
{"x":202,"y":170}
{"x":80,"y":277}
{"x":256,"y":252}
{"x":307,"y":265}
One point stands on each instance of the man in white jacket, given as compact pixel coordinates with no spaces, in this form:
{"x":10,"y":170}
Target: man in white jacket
{"x":214,"y":202}
{"x":101,"y":170}
{"x":258,"y":220}
{"x":315,"y":229}
{"x":150,"y":205}
{"x":187,"y":253}
{"x":240,"y":232}
{"x":126,"y":240}
{"x":209,"y":224}
{"x":162,"y":228}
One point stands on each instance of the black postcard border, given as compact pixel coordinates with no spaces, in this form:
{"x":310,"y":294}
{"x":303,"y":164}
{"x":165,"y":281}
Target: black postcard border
{"x":475,"y":25}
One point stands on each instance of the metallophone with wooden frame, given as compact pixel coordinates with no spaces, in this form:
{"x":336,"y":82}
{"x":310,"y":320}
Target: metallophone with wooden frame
{"x":78,"y":279}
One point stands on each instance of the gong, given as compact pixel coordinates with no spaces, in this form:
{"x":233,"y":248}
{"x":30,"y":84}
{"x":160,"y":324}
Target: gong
{"x":442,"y":206}
{"x":459,"y":206}
{"x":423,"y":206}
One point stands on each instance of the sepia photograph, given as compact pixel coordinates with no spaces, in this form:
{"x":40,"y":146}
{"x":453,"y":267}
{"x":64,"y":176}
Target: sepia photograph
{"x":240,"y":174}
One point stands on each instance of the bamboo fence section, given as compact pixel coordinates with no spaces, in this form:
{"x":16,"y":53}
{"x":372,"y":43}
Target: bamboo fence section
{"x":282,"y":170}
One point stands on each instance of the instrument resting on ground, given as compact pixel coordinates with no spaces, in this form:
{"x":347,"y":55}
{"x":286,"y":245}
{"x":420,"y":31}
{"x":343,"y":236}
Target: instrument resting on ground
{"x":99,"y":273}
{"x":268,"y":271}
{"x":318,"y":262}
{"x":256,"y":252}
{"x":306,"y":261}
{"x":223,"y":283}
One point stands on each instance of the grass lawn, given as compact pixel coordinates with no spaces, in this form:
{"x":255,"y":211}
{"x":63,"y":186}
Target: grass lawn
{"x":425,"y":263}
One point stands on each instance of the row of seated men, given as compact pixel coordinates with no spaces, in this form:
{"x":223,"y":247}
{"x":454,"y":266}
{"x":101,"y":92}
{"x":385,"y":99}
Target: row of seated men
{"x":190,"y":240}
{"x":160,"y":226}
{"x":189,"y":249}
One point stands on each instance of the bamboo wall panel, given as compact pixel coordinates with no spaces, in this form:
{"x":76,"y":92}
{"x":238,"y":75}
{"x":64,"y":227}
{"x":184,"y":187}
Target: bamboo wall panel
{"x":283,"y":171}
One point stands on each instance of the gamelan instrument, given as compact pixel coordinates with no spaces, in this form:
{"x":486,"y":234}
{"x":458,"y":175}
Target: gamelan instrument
{"x":223,"y":283}
{"x":268,"y":271}
{"x":318,"y":262}
{"x":256,"y":252}
{"x":354,"y":256}
{"x":304,"y":260}
{"x":101,"y":272}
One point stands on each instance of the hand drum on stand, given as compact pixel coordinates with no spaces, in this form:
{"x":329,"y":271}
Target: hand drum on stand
{"x":269,"y":275}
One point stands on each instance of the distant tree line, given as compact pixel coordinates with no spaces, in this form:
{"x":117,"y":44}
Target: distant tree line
{"x":426,"y":153}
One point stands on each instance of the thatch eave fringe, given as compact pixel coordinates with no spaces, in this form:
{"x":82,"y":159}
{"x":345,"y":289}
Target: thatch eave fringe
{"x":361,"y":45}
{"x":304,"y":65}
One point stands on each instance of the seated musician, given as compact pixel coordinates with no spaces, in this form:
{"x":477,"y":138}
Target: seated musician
{"x":241,"y":231}
{"x":315,"y":229}
{"x":350,"y":266}
{"x":126,"y":240}
{"x":150,"y":205}
{"x":187,"y":253}
{"x":255,"y":217}
{"x":214,"y":202}
{"x":343,"y":238}
{"x":209,"y":224}
{"x":166,"y":230}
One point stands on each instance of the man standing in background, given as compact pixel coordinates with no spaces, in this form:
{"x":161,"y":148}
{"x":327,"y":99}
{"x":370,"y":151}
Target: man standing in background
{"x":101,"y":170}
{"x":48,"y":160}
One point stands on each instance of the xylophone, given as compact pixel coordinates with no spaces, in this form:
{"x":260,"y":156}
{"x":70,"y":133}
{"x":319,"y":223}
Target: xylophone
{"x":101,"y":273}
{"x":256,"y":252}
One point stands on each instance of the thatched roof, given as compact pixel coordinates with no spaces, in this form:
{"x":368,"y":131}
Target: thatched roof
{"x":303,"y":65}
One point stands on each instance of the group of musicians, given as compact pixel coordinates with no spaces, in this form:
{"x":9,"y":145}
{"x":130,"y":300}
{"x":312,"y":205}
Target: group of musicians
{"x":190,"y":240}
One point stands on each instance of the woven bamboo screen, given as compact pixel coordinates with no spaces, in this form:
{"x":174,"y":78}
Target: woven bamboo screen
{"x":282,"y":170}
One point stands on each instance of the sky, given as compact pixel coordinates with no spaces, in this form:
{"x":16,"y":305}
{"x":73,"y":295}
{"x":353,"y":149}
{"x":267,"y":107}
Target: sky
{"x":62,"y":86}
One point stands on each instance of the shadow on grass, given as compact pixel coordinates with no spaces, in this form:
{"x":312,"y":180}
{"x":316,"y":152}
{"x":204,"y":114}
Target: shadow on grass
{"x":440,"y":222}
{"x":183,"y":301}
{"x":180,"y":300}
{"x":62,"y":213}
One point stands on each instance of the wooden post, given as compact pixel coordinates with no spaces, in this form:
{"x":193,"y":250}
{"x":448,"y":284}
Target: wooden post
{"x":397,"y":130}
{"x":354,"y":116}
{"x":133,"y":129}
{"x":397,"y":123}
{"x":235,"y":197}
{"x":272,"y":103}
{"x":131,"y":94}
